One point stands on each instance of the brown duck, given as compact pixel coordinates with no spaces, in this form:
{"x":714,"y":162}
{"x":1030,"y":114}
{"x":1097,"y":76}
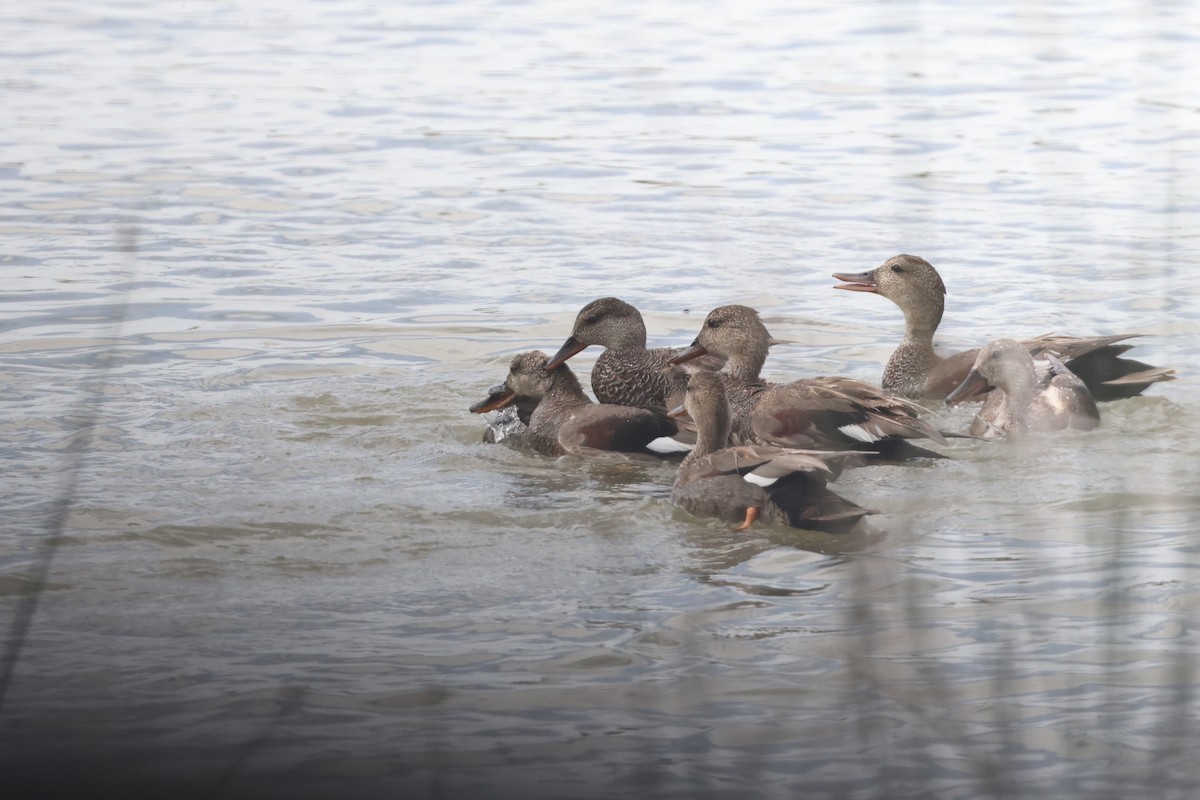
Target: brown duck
{"x":626,"y":373}
{"x":749,"y":482}
{"x":915,"y":370}
{"x":1018,"y":399}
{"x":826,"y":413}
{"x":562,"y":419}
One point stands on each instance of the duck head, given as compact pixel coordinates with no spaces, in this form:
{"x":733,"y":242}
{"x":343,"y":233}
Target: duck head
{"x":1004,"y":364}
{"x":910,"y":282}
{"x":527,"y":379}
{"x":732,"y":332}
{"x":607,"y":322}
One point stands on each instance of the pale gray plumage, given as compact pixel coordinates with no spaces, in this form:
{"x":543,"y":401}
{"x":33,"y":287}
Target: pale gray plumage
{"x":1018,"y":399}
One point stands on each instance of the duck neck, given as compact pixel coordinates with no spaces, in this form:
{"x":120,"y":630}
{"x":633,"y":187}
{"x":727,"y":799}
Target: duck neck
{"x":745,"y":366}
{"x":921,"y":320}
{"x":712,"y":430}
{"x":1020,"y":386}
{"x":914,"y":356}
{"x":565,"y":391}
{"x":562,"y":397}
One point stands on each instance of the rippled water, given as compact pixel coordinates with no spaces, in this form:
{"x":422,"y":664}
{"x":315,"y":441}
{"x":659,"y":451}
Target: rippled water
{"x":259,"y":258}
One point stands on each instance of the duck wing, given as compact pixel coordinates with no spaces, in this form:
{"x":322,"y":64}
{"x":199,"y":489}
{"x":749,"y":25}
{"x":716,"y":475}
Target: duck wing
{"x":765,"y":464}
{"x":1098,"y":363}
{"x":608,"y":427}
{"x":1062,"y":400}
{"x":832,"y":411}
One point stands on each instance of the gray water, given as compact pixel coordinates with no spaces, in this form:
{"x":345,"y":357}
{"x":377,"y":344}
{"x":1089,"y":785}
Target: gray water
{"x":259,"y":258}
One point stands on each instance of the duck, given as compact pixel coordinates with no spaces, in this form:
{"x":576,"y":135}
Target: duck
{"x":746,"y":483}
{"x":915,"y":370}
{"x":563,"y":420}
{"x":626,"y":373}
{"x":822,"y":413}
{"x":1018,"y":399}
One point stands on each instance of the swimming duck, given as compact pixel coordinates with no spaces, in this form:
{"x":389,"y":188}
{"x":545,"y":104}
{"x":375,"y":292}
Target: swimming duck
{"x":1018,"y":399}
{"x":745,"y":483}
{"x":626,"y":373}
{"x":915,"y":370}
{"x":562,"y":419}
{"x":819,"y":413}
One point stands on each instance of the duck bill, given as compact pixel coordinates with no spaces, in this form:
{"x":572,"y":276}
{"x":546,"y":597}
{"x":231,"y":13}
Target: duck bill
{"x":973,"y":387}
{"x":856,"y":281}
{"x":695,"y":351}
{"x":678,"y":412}
{"x":570,"y":347}
{"x":498,"y":397}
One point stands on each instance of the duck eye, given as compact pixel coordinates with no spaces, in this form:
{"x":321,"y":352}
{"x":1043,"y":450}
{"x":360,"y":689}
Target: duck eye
{"x":897,"y":268}
{"x":713,"y":323}
{"x":591,"y":319}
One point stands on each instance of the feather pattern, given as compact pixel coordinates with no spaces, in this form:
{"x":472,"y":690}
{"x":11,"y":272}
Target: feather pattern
{"x":781,"y":485}
{"x":565,"y":420}
{"x":1019,"y":399}
{"x":626,"y":373}
{"x":822,"y":413}
{"x":916,"y":370}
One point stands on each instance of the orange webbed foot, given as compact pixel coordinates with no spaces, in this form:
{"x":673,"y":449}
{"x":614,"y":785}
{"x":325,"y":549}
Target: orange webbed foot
{"x":751,"y":516}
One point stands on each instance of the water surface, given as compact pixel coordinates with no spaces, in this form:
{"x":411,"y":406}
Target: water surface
{"x":259,"y":258}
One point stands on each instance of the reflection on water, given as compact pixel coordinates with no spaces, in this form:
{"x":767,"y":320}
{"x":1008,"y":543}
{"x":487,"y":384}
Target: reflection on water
{"x":259,"y":261}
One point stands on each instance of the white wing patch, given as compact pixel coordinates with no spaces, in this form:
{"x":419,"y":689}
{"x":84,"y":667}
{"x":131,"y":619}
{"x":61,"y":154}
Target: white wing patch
{"x":666,"y":444}
{"x":861,"y":433}
{"x":759,"y":480}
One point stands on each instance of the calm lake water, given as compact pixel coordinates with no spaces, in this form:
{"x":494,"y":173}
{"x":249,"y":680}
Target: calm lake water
{"x":259,"y":258}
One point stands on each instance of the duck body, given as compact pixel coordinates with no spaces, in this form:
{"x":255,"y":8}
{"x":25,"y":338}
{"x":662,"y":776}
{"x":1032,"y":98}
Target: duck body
{"x":717,"y":487}
{"x":740,"y":484}
{"x":626,"y":373}
{"x":1021,"y":400}
{"x":825,"y":413}
{"x":637,"y":377}
{"x":915,"y":369}
{"x":562,"y":419}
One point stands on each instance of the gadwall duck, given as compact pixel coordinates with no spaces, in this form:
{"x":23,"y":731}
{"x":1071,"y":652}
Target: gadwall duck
{"x":1018,"y":399}
{"x":915,"y":370}
{"x":819,"y":413}
{"x":626,"y":373}
{"x":749,"y":482}
{"x":562,"y":419}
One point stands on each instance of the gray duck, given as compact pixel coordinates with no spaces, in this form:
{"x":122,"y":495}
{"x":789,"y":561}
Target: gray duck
{"x":562,"y":419}
{"x":1018,"y":399}
{"x":915,"y":370}
{"x":823,"y":413}
{"x":626,"y":373}
{"x":744,"y":483}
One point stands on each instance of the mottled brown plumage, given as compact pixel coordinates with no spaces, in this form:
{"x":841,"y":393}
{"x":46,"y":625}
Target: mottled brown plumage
{"x":916,"y":370}
{"x":626,"y":373}
{"x":564,"y":419}
{"x":748,"y":482}
{"x":821,"y":413}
